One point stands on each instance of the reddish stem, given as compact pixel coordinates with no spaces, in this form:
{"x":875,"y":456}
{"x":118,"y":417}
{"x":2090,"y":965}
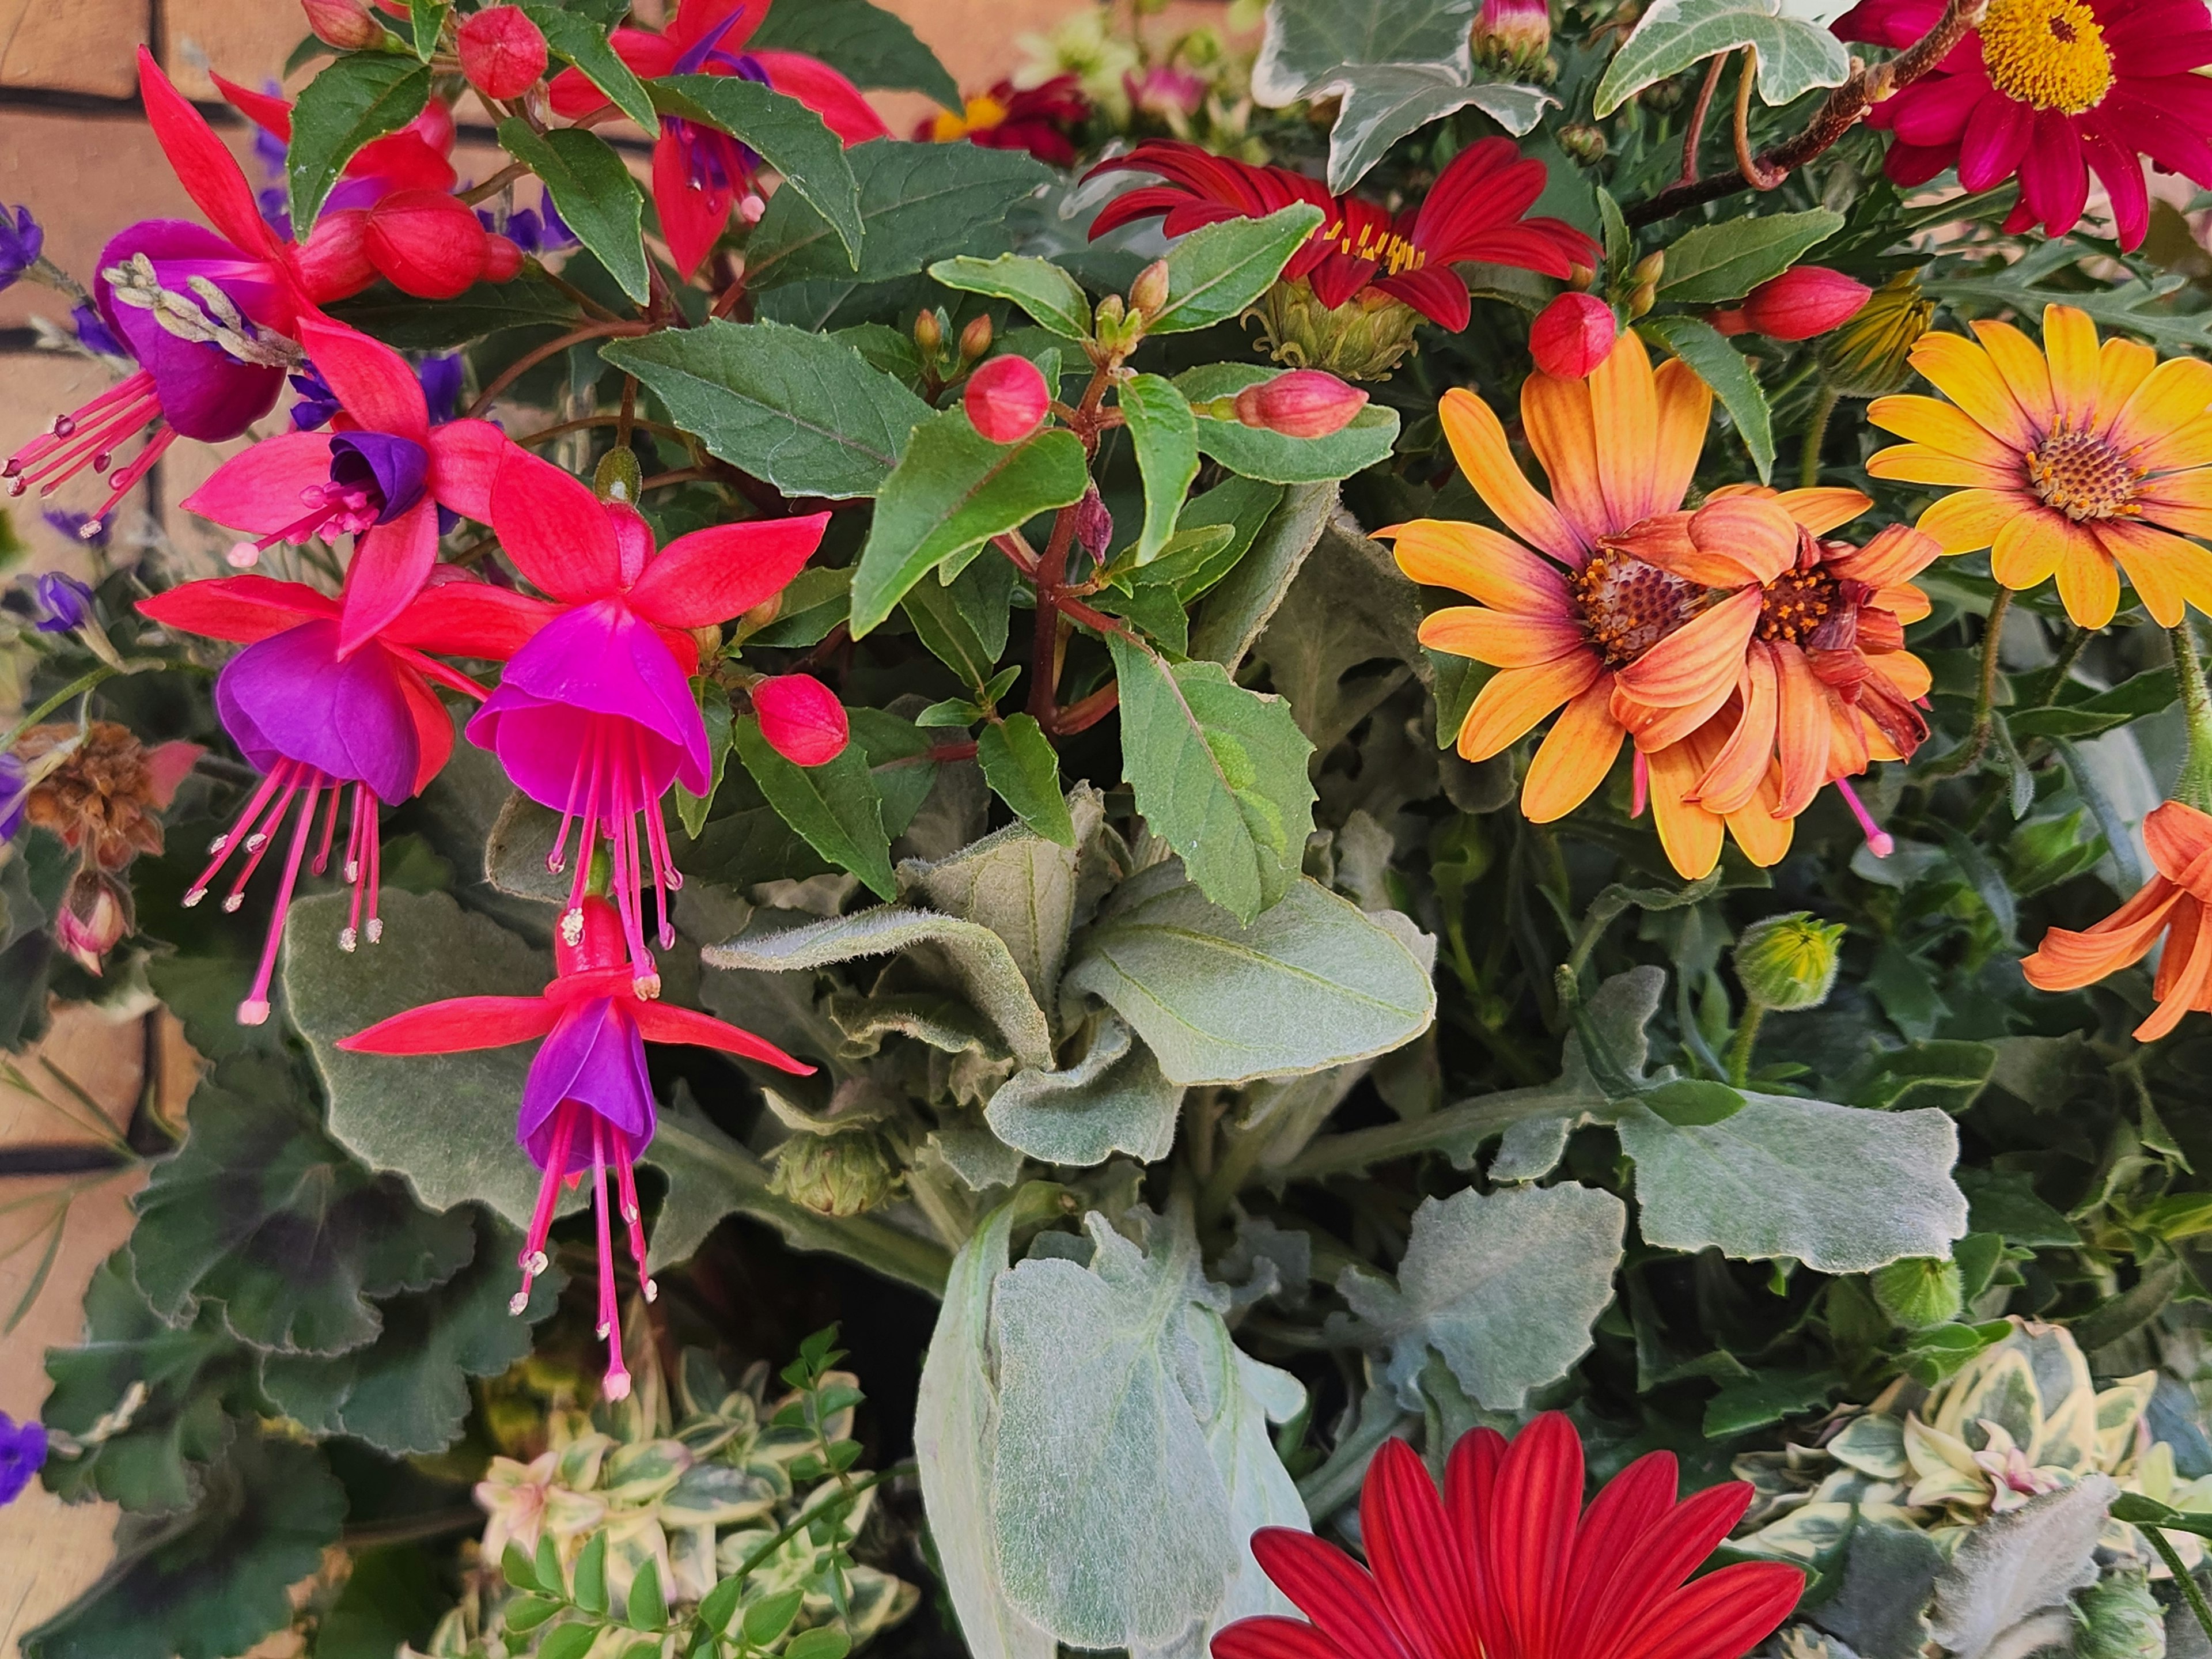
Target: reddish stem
{"x":1083,"y":715}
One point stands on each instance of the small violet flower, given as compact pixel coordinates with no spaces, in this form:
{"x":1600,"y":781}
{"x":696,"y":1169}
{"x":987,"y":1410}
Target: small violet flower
{"x":93,"y":533}
{"x":64,"y":603}
{"x":94,"y":335}
{"x":22,"y":239}
{"x":318,"y":403}
{"x":15,"y":795}
{"x":22,"y":1454}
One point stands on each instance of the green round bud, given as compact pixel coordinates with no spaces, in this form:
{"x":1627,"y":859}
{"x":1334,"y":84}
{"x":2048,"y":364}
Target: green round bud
{"x":842,"y":1175}
{"x":1788,"y":962}
{"x":618,"y":476}
{"x":1363,"y":339}
{"x":1583,"y":142}
{"x":2118,"y":1617}
{"x":1918,"y":1292}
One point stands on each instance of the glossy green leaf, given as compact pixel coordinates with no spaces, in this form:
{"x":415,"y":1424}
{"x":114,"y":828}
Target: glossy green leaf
{"x":1023,"y":769}
{"x":595,"y":193}
{"x":869,"y":46}
{"x":361,"y":96}
{"x":1721,"y":366}
{"x":1218,"y":270}
{"x":580,"y":40}
{"x":1164,"y":435}
{"x":1709,"y":264}
{"x":834,"y":805}
{"x":1273,"y":457}
{"x":1039,"y":287}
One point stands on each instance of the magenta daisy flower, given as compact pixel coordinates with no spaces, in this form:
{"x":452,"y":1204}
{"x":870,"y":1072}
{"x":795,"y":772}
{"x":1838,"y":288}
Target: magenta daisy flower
{"x":2052,"y":91}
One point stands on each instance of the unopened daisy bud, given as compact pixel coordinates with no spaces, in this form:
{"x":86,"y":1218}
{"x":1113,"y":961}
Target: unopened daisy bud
{"x":1512,"y":34}
{"x":1572,"y":336}
{"x":2118,"y":1617}
{"x":842,"y":1175}
{"x":1871,"y":355}
{"x":1651,"y":268}
{"x":1788,"y":962}
{"x":1304,"y":404}
{"x":1581,"y":278}
{"x":1006,"y":399}
{"x":502,"y":53}
{"x":974,"y":339}
{"x":801,"y":719}
{"x":1150,"y":291}
{"x":1641,"y":299}
{"x":1919,"y":1292}
{"x":1582,"y":142}
{"x":928,"y":334}
{"x":1094,"y":523}
{"x":1803,"y":302}
{"x":346,"y":24}
{"x":618,"y":476}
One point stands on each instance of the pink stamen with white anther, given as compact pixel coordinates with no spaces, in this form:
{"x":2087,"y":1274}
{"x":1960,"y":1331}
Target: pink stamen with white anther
{"x":609,"y":795}
{"x":1879,"y":840}
{"x":333,"y":509}
{"x":90,"y":437}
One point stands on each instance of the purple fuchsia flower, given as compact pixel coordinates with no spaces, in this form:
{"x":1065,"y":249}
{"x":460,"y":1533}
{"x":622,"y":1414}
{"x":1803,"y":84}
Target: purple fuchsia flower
{"x":594,"y":718}
{"x":380,"y":475}
{"x":314,"y":719}
{"x":587,"y":1104}
{"x":22,"y":240}
{"x":22,"y":1454}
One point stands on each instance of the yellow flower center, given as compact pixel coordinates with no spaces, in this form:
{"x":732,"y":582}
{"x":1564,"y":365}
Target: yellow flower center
{"x":2047,"y":53}
{"x":1393,"y":253}
{"x":2084,"y":476}
{"x":1628,"y":606}
{"x":1796,"y":603}
{"x":983,"y":113}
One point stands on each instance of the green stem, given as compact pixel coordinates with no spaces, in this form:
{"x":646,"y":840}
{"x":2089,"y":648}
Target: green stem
{"x":2190,"y":1593}
{"x":1747,"y":1036}
{"x":844,"y":1498}
{"x":1816,"y":433}
{"x":1968,"y":755}
{"x":2194,"y":786}
{"x":2063,"y":669}
{"x":76,"y":687}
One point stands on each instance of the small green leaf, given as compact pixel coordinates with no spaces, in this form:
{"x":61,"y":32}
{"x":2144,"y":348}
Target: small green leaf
{"x":517,"y":1567}
{"x":580,"y":40}
{"x":1023,"y":769}
{"x":649,"y":1607}
{"x":1689,"y":1100}
{"x":361,"y":96}
{"x":786,"y":134}
{"x":426,"y":18}
{"x":527,"y":1612}
{"x":547,"y":1564}
{"x":1721,"y":366}
{"x":715,"y":711}
{"x":1217,"y":271}
{"x":870,"y":46}
{"x":594,"y":191}
{"x":567,"y":1642}
{"x":1271,"y":457}
{"x":953,"y":490}
{"x":591,"y":1576}
{"x":826,"y":1643}
{"x":1042,"y":288}
{"x":769,"y":1617}
{"x":720,"y":1603}
{"x":834,"y":806}
{"x":1725,"y":261}
{"x":1164,"y":434}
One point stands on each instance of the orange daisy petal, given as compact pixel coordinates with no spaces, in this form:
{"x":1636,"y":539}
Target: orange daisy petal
{"x":1664,"y":540}
{"x":1482,"y":564}
{"x":1500,"y":638}
{"x":1853,"y":741}
{"x":2189,"y":445}
{"x":1678,"y":684}
{"x":1515,"y":699}
{"x":1906,"y":602}
{"x":1943,"y":427}
{"x":2088,"y":580}
{"x":1625,"y":407}
{"x":2184,"y":972}
{"x":1557,"y":415}
{"x":2179,"y":837}
{"x":1757,"y":533}
{"x":1733,"y":779}
{"x":1964,"y":373}
{"x":1907,"y":673}
{"x":2068,"y":960}
{"x":2023,"y":369}
{"x":1759,"y":829}
{"x":2069,"y":345}
{"x":1971,"y":520}
{"x":2154,"y":562}
{"x":1897,"y":554}
{"x":1801,"y":734}
{"x":1686,"y":412}
{"x":2028,"y":548}
{"x":1574,"y":758}
{"x":2172,"y":395}
{"x":1918,"y":463}
{"x":2179,"y":500}
{"x":1691,"y":836}
{"x":1478,"y":443}
{"x":1823,"y":509}
{"x":2122,"y":367}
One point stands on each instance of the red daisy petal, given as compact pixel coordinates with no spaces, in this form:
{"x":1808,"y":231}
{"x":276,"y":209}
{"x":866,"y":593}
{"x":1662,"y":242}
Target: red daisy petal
{"x":1332,"y":1589}
{"x":1416,"y":1561}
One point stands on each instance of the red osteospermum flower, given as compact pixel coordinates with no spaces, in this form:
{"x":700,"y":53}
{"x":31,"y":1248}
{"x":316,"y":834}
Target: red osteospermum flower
{"x":1507,"y":1564}
{"x":1472,"y":211}
{"x":1043,"y":119}
{"x":2052,"y":90}
{"x":700,"y":173}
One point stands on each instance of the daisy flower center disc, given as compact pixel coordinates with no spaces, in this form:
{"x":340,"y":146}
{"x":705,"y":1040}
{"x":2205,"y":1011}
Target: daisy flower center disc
{"x":2083,"y":477}
{"x":1797,"y":602}
{"x":2047,"y":53}
{"x":1628,"y":606}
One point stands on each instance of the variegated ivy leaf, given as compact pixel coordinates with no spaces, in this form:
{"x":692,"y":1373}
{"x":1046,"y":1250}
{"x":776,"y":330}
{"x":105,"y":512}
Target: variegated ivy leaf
{"x":1794,"y":56}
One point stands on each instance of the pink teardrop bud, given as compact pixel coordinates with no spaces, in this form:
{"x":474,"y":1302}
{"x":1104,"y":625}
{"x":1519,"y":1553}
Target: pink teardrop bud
{"x":1006,"y":399}
{"x":1302,"y":404}
{"x":1801,"y":303}
{"x":503,"y":259}
{"x":426,"y":243}
{"x":801,"y":719}
{"x":1572,"y":336}
{"x":346,"y":24}
{"x":1094,"y":523}
{"x":501,"y":51}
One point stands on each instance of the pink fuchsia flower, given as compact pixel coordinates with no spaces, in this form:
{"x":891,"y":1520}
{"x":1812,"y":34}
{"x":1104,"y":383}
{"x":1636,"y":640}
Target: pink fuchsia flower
{"x":1473,"y":211}
{"x":2051,"y":91}
{"x":594,"y":718}
{"x":315,"y":720}
{"x":699,"y":173}
{"x":587,"y":1104}
{"x":380,"y":475}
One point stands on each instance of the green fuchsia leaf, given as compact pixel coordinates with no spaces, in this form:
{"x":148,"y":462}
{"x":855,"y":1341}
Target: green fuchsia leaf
{"x":581,"y":41}
{"x":1709,"y":264}
{"x":714,"y":713}
{"x":1218,"y":270}
{"x":361,"y":96}
{"x":868,"y":45}
{"x":834,"y":806}
{"x":1164,"y":435}
{"x":595,"y":191}
{"x":1039,"y":287}
{"x":1023,"y":769}
{"x":786,"y":134}
{"x":954,"y":489}
{"x":1274,"y":457}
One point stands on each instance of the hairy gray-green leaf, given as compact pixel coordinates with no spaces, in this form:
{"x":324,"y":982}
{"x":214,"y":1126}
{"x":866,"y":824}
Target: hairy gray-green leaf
{"x":801,"y":411}
{"x":834,"y":806}
{"x":597,"y":197}
{"x":1274,"y":457}
{"x":1020,"y":886}
{"x":1218,"y":270}
{"x":784,"y":133}
{"x":1794,"y":56}
{"x":1504,"y":1285}
{"x":1310,"y":982}
{"x":1039,"y":287}
{"x":976,"y":958}
{"x":360,"y":96}
{"x":1721,"y":366}
{"x":1219,"y":771}
{"x":1113,"y":1099}
{"x":2006,"y":1588}
{"x":1349,"y":608}
{"x":1164,"y":435}
{"x":1709,"y":264}
{"x":1790,"y":1177}
{"x":952,"y":490}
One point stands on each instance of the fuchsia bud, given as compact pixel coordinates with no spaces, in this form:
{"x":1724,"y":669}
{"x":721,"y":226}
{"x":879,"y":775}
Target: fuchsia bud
{"x":1803,"y":302}
{"x":1302,"y":404}
{"x":502,"y":53}
{"x":1572,"y":336}
{"x":1006,"y":399}
{"x":503,"y":259}
{"x":1094,"y":523}
{"x":345,"y":24}
{"x":426,"y":242}
{"x":333,"y":262}
{"x":94,"y":917}
{"x":801,"y":719}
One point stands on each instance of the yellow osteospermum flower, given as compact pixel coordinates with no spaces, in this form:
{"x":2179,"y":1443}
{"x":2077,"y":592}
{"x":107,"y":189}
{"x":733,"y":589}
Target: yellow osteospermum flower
{"x":2070,"y":460}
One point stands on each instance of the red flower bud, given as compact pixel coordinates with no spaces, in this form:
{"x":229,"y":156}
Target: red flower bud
{"x":1006,"y":399}
{"x":801,"y":719}
{"x":502,"y":259}
{"x":426,"y":243}
{"x":1572,"y":336}
{"x":345,"y":24}
{"x":501,"y":51}
{"x":1302,"y":404}
{"x":1801,"y":303}
{"x":333,"y":262}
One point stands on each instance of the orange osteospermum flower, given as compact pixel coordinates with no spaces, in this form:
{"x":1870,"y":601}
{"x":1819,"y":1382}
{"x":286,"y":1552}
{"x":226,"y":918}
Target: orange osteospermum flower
{"x":1821,"y":683}
{"x":2172,"y":904}
{"x":2066,"y":460}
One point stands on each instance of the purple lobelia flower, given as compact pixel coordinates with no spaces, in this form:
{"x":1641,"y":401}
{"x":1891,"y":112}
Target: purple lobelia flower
{"x":15,"y":795}
{"x":22,"y":1454}
{"x":64,"y":602}
{"x":23,"y":240}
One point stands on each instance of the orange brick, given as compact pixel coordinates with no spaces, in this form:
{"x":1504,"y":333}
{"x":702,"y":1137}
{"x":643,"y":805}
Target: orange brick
{"x":242,"y":40}
{"x":74,"y":45}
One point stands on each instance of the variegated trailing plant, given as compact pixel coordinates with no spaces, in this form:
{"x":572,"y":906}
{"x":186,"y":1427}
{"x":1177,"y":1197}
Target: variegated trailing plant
{"x":900,"y":699}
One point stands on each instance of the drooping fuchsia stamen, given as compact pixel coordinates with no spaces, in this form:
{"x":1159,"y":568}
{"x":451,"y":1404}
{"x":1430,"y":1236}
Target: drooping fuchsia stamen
{"x":1879,"y":840}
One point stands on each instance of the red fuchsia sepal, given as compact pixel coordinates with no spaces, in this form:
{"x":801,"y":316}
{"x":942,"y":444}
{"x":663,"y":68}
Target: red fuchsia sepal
{"x":587,"y":1104}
